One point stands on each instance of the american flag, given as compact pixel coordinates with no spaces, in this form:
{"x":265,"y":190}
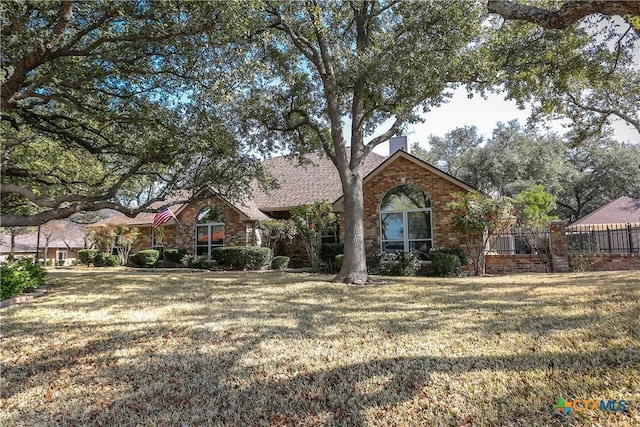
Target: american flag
{"x":161,"y":217}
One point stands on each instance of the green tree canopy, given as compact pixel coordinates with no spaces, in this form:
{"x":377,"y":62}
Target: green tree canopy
{"x":95,"y":106}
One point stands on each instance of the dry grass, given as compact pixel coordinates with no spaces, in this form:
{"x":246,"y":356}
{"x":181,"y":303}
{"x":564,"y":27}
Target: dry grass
{"x":245,"y":349}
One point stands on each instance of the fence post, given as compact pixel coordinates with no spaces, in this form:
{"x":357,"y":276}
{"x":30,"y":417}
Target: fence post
{"x":558,"y":246}
{"x":630,"y":237}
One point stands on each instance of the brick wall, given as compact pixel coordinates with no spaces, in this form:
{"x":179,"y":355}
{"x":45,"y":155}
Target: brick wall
{"x":605,"y":262}
{"x":237,"y":231}
{"x":404,"y":171}
{"x":517,"y":263}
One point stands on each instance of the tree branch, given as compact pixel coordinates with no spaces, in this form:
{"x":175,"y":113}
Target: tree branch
{"x":567,"y":15}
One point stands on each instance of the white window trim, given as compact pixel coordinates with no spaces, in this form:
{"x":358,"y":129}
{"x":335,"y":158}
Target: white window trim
{"x":209,"y":245}
{"x":405,"y":230}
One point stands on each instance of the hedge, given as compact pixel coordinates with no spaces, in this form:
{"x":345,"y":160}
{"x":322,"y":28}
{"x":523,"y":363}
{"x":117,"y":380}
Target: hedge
{"x":86,"y":256}
{"x":280,"y":262}
{"x":145,"y":258}
{"x":174,"y":255}
{"x":19,"y":275}
{"x":242,"y":257}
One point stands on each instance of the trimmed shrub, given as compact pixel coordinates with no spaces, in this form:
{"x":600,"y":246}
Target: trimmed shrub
{"x":61,"y":262}
{"x":145,"y":258}
{"x":201,"y":262}
{"x":242,"y":257}
{"x":174,"y":255}
{"x":106,"y":260}
{"x":280,"y":262}
{"x":457,"y":251}
{"x":110,"y":260}
{"x":444,"y":264}
{"x":394,"y":263}
{"x":18,"y":276}
{"x":328,"y":251}
{"x":86,"y":256}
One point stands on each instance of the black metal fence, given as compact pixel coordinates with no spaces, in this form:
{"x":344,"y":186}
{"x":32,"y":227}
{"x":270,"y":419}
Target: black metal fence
{"x":518,"y":240}
{"x":605,"y":238}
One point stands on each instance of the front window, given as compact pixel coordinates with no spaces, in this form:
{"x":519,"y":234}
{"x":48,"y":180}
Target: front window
{"x":209,"y":230}
{"x":157,"y":241}
{"x":405,"y":219}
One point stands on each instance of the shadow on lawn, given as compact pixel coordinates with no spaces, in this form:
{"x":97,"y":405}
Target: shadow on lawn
{"x":199,"y":389}
{"x":202,"y":376}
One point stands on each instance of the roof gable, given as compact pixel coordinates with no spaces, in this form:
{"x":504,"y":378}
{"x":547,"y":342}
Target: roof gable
{"x":403,"y":154}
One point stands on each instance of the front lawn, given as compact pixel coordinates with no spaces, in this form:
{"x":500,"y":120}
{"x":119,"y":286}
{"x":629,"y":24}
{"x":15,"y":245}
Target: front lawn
{"x":245,"y":349}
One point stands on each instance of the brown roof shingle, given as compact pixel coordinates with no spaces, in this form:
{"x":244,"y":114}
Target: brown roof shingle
{"x":304,"y":184}
{"x":623,"y":210}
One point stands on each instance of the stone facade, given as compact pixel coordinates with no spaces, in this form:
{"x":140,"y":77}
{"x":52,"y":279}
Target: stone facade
{"x":405,"y":171}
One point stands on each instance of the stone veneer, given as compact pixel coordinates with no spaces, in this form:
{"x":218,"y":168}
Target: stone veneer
{"x":404,"y":171}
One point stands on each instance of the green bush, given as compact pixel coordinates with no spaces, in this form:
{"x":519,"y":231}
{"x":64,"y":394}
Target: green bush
{"x":457,"y":251}
{"x":328,"y":251}
{"x":242,"y":257}
{"x":103,"y":259}
{"x":111,"y":261}
{"x":61,"y":262}
{"x":444,"y":264}
{"x":145,"y":258}
{"x":174,"y":255}
{"x":201,"y":262}
{"x":394,"y":263}
{"x":86,"y":256}
{"x":339,"y":260}
{"x":48,"y":263}
{"x":18,"y":276}
{"x":280,"y":262}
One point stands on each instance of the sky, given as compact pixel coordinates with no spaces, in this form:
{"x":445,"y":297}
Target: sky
{"x":484,"y":114}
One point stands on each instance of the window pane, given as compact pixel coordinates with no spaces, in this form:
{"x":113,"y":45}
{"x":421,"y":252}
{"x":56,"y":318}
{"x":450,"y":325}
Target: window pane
{"x":392,"y":246}
{"x":422,"y":247}
{"x":405,"y":197}
{"x":419,"y":225}
{"x":392,"y":226}
{"x":202,"y":250}
{"x":210,"y":215}
{"x":203,"y":235}
{"x":217,"y":235}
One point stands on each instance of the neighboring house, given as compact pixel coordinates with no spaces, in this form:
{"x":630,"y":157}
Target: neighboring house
{"x":405,"y":206}
{"x":59,"y":243}
{"x":614,"y":227}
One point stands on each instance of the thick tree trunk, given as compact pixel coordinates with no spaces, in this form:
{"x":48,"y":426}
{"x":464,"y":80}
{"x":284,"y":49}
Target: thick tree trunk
{"x":354,"y":265}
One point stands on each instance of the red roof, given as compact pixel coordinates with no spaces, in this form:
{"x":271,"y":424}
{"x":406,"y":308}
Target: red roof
{"x":620,"y":211}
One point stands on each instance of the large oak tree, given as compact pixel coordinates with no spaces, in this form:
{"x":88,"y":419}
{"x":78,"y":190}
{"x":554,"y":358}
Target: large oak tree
{"x":95,"y":106}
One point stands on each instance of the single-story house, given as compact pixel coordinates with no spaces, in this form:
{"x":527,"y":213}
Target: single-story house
{"x":405,"y":206}
{"x":613,"y":227}
{"x":59,"y":243}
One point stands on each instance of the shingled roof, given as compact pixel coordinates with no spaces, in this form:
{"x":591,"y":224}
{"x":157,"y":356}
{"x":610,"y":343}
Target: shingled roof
{"x":303,"y":184}
{"x":620,"y":211}
{"x":67,"y":235}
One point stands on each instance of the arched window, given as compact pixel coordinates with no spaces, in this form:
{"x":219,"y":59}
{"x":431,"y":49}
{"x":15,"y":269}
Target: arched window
{"x":209,"y":230}
{"x":405,"y":220}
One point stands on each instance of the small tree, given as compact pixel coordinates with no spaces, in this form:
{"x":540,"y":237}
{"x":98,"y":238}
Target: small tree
{"x":532,"y":209}
{"x":476,"y":218}
{"x":125,"y":239}
{"x":311,"y":222}
{"x":275,"y":231}
{"x":104,"y":238}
